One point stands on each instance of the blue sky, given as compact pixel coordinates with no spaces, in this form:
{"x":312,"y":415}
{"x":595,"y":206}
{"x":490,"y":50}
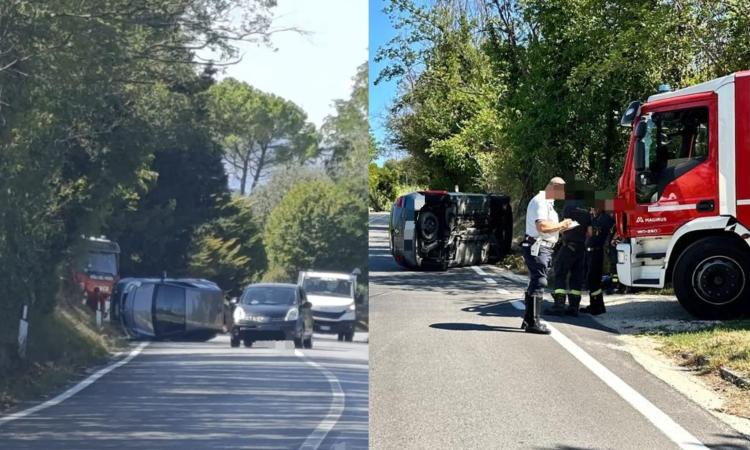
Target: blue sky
{"x":312,"y":70}
{"x":383,"y":94}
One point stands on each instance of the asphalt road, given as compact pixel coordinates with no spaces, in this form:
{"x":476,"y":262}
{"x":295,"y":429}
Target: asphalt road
{"x":206,"y":395}
{"x":450,"y":368}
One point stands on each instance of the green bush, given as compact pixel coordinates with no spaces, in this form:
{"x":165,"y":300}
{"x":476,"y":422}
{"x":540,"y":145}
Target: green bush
{"x":318,"y":225}
{"x":229,"y":250}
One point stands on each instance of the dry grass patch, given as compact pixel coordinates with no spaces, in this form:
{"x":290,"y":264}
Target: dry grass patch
{"x":60,"y":347}
{"x":724,"y":345}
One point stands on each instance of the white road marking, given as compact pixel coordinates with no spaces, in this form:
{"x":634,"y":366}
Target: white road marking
{"x":75,"y":389}
{"x":490,"y":280}
{"x":656,"y":416}
{"x":479,"y":271}
{"x":316,"y":438}
{"x":503,"y":291}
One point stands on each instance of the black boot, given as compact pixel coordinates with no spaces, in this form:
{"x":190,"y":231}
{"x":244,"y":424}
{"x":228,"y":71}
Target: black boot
{"x":558,"y":309}
{"x":574,"y":301}
{"x":596,"y":305}
{"x":527,"y":316}
{"x":534,"y":323}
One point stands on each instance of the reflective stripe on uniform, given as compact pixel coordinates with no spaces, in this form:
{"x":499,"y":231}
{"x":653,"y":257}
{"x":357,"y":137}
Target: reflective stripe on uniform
{"x":575,"y":292}
{"x":596,"y":292}
{"x":560,"y":291}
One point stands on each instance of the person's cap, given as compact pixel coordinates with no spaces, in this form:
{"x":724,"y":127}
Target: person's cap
{"x":556,"y":180}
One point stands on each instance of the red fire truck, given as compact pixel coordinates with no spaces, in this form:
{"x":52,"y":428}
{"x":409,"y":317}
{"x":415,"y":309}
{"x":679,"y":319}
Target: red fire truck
{"x":96,"y":268}
{"x":683,"y":206}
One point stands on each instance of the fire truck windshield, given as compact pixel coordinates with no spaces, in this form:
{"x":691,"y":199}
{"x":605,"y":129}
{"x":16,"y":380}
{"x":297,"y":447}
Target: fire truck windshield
{"x":674,"y":142}
{"x":99,"y":262}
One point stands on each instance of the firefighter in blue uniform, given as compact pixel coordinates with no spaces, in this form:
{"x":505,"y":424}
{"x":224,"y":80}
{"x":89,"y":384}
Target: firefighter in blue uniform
{"x":569,"y":265}
{"x":601,"y":233}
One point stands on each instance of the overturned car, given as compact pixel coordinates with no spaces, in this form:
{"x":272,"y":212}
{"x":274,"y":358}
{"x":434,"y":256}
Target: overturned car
{"x":441,"y":229}
{"x":168,"y":308}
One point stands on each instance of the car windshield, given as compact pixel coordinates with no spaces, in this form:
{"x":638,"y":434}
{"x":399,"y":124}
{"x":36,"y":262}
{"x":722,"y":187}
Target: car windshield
{"x":328,"y":286}
{"x":268,"y":295}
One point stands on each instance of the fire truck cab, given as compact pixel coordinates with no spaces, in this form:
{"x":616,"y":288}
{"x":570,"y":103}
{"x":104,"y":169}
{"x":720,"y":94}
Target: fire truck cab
{"x":683,"y":204}
{"x":96,"y":266}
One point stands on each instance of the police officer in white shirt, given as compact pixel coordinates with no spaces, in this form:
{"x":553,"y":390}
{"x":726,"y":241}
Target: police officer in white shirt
{"x":542,"y":232}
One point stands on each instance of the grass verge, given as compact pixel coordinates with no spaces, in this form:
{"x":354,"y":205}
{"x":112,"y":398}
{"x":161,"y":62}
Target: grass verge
{"x":707,"y":350}
{"x":61,"y":345}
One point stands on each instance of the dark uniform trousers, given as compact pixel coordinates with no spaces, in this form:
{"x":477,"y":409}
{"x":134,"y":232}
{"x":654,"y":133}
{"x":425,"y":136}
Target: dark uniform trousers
{"x":594,"y":261}
{"x":538,"y":266}
{"x":570,"y":261}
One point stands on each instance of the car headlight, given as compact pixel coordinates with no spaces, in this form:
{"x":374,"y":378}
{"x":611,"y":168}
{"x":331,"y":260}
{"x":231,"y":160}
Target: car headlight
{"x":239,"y":314}
{"x":352,"y":307}
{"x":292,"y":314}
{"x":620,"y":257}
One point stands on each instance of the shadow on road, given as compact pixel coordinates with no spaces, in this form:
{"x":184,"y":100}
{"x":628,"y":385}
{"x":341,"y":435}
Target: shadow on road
{"x":505,"y":309}
{"x":473,"y":327}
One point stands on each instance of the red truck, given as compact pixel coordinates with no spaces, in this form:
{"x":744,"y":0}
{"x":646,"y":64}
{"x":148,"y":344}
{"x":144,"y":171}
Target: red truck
{"x":96,"y":269}
{"x":683,"y":203}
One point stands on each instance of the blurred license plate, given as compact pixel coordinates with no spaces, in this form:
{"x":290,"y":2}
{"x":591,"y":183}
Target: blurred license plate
{"x":325,"y":327}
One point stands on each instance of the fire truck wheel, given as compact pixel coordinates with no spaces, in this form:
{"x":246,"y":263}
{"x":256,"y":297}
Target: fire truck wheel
{"x":428,"y":225}
{"x":712,"y":278}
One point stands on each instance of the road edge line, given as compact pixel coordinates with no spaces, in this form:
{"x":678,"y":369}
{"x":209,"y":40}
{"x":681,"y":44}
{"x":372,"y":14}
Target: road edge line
{"x":338,"y":401}
{"x":91,"y":379}
{"x":656,"y":416}
{"x":671,"y":429}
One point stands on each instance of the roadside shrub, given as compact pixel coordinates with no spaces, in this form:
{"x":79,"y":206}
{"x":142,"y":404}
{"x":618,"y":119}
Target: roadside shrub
{"x":317,"y":225}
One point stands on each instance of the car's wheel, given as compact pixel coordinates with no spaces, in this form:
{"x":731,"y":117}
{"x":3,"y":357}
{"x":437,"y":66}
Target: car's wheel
{"x":349,"y":336}
{"x":247,"y":342}
{"x":428,"y":225}
{"x":234,"y":342}
{"x":308,"y":342}
{"x":711,"y":278}
{"x":297,"y":342}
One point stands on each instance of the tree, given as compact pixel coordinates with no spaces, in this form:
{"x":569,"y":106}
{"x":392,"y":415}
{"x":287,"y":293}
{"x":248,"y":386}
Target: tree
{"x":345,"y":133}
{"x":157,"y":33}
{"x":258,"y":130}
{"x":88,"y":91}
{"x":267,"y":196}
{"x":229,"y":250}
{"x":501,"y":95}
{"x":318,"y":225}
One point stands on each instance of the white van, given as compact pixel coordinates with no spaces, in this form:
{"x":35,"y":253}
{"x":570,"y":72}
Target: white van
{"x":332,"y":297}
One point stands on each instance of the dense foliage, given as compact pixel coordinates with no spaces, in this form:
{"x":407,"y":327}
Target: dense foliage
{"x":321,"y":221}
{"x":500,"y":95}
{"x":316,"y":225}
{"x":94,"y":95}
{"x":108,"y":125}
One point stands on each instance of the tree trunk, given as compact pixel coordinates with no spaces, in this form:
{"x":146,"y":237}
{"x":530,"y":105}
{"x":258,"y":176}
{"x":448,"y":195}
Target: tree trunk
{"x":259,"y":167}
{"x":245,"y":169}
